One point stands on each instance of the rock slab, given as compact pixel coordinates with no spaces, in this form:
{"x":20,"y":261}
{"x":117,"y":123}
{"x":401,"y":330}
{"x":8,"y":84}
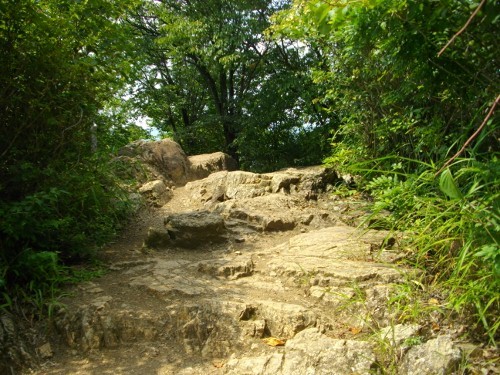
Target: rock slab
{"x":309,"y":353}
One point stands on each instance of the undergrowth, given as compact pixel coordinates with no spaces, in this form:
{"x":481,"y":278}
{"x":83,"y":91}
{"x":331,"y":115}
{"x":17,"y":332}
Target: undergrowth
{"x":452,"y":224}
{"x":48,"y":234}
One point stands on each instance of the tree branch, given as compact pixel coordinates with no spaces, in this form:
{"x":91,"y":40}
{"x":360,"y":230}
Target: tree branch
{"x":471,"y":138}
{"x":462,"y":29}
{"x":212,"y":85}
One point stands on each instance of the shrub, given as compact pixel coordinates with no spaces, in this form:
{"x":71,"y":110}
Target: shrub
{"x":453,"y":224}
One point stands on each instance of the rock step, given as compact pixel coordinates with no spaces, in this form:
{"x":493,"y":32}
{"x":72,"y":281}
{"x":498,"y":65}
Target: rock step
{"x":242,"y":227}
{"x":310,"y":352}
{"x":205,"y":326}
{"x":221,"y":285}
{"x":225,"y":288}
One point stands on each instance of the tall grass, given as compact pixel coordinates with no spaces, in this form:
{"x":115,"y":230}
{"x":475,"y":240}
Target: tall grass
{"x":453,"y":226}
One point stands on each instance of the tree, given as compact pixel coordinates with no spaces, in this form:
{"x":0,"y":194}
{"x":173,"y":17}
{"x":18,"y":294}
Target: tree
{"x":214,"y":80}
{"x":384,"y":79}
{"x":58,"y":69}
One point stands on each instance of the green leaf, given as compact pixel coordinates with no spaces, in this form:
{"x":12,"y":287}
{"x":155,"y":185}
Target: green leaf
{"x":490,"y":252}
{"x":448,"y":185}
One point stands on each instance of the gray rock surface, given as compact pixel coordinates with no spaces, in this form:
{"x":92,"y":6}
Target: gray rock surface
{"x":280,"y":201}
{"x":306,"y":182}
{"x":210,"y":303}
{"x":436,"y":356}
{"x":399,"y":333}
{"x":334,"y":256}
{"x":309,"y":353}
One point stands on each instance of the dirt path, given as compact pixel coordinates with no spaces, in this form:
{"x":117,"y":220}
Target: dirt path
{"x":288,"y":267}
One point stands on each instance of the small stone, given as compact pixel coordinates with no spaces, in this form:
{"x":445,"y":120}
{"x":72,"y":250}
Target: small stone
{"x":247,"y":313}
{"x":306,"y":220}
{"x":45,"y":351}
{"x":260,"y":328}
{"x":157,"y":238}
{"x":156,"y":192}
{"x":237,"y":252}
{"x":399,"y":333}
{"x":95,"y":290}
{"x":100,"y":303}
{"x":317,"y":292}
{"x":470,"y":350}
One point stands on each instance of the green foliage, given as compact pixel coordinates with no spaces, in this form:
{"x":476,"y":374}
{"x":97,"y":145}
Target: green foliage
{"x":59,"y":68}
{"x":404,"y":106}
{"x":455,"y":235}
{"x":55,"y":227}
{"x":83,"y":209}
{"x":213,"y":79}
{"x":382,"y":78}
{"x":118,"y":125}
{"x":448,"y":185}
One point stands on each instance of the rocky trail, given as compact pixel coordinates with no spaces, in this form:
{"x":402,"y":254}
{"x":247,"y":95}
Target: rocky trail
{"x":242,"y":273}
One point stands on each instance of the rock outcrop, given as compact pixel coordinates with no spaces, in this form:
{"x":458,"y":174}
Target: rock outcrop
{"x":306,"y":183}
{"x":154,"y":160}
{"x":246,"y":273}
{"x":201,"y":166}
{"x":14,"y":351}
{"x":220,"y":303}
{"x":164,"y":160}
{"x":310,"y":352}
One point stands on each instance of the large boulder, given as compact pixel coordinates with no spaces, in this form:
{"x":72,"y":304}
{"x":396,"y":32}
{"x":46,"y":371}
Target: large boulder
{"x":164,"y":160}
{"x":201,"y":166}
